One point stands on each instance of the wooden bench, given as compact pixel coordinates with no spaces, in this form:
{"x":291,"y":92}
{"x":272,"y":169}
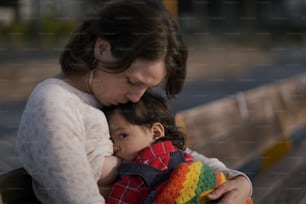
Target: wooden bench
{"x":16,"y":188}
{"x":285,"y":182}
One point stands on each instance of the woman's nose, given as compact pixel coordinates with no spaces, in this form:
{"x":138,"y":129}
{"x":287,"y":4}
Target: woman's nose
{"x":135,"y":95}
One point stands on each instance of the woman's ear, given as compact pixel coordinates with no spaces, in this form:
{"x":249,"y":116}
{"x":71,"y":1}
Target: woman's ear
{"x":158,"y":131}
{"x":102,"y":51}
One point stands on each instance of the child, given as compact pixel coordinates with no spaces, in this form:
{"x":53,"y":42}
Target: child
{"x":145,"y":133}
{"x":151,"y":146}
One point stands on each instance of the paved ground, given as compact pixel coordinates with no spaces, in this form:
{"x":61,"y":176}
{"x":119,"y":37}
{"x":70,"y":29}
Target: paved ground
{"x":284,"y":183}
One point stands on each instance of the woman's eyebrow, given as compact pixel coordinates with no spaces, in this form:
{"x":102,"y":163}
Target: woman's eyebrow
{"x":141,"y":82}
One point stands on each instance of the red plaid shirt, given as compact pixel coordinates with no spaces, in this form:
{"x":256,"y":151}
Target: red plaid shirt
{"x":132,"y":189}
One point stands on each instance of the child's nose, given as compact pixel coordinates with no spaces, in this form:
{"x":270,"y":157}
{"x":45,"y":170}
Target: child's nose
{"x":116,"y":149}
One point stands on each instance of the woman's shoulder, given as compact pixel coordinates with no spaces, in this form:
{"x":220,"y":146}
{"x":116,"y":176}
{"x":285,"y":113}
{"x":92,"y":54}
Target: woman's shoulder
{"x":57,"y":89}
{"x":56,"y":96}
{"x":53,"y":86}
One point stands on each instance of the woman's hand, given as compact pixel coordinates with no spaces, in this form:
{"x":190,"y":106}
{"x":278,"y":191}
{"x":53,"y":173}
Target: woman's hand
{"x":234,"y":191}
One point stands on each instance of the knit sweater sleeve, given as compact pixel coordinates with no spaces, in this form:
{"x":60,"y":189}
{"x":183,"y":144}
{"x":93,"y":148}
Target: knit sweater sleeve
{"x":58,"y":143}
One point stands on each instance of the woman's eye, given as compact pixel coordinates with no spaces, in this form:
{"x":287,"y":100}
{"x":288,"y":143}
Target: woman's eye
{"x":130,"y":82}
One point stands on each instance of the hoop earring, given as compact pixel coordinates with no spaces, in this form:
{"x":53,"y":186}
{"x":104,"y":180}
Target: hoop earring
{"x":89,"y":81}
{"x":94,"y":63}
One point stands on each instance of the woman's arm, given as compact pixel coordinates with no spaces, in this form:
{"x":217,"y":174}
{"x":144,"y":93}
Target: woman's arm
{"x":217,"y":165}
{"x":236,"y":190}
{"x":213,"y":163}
{"x":55,"y":148}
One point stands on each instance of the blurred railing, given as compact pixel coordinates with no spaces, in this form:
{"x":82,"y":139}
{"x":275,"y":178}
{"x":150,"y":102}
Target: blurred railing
{"x":252,"y":130}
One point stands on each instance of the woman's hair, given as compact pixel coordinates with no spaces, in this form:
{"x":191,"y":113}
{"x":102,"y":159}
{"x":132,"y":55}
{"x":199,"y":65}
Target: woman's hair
{"x":135,"y":29}
{"x":150,"y":109}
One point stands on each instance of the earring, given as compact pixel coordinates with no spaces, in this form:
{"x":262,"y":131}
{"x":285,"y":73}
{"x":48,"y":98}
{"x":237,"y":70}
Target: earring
{"x":93,"y":63}
{"x":89,"y":81}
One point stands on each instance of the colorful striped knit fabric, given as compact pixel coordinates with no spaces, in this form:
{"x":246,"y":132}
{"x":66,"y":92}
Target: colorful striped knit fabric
{"x":189,"y":184}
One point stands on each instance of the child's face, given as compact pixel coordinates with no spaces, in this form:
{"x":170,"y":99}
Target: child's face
{"x":128,"y":138}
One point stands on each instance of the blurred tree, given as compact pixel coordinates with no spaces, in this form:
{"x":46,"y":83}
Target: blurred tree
{"x":185,"y":7}
{"x":11,"y":3}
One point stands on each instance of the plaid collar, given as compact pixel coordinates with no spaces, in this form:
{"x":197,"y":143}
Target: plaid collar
{"x":155,"y":150}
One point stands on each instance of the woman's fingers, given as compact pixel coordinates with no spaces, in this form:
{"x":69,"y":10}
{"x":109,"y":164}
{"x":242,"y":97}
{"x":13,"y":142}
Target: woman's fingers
{"x":235,"y":191}
{"x":222,"y":190}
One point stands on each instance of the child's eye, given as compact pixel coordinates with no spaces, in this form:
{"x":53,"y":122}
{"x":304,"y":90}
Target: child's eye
{"x":112,"y":139}
{"x":122,"y":135}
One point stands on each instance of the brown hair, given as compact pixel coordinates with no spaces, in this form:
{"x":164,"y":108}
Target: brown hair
{"x":150,"y":109}
{"x":134,"y":29}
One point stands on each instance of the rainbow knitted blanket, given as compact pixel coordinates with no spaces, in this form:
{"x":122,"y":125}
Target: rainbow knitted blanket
{"x":190,"y":183}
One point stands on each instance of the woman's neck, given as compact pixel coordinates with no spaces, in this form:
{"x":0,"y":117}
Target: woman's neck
{"x":78,"y":81}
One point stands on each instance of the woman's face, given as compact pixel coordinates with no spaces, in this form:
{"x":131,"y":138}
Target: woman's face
{"x":130,"y":85}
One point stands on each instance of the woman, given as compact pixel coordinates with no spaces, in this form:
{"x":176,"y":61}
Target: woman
{"x":112,"y":58}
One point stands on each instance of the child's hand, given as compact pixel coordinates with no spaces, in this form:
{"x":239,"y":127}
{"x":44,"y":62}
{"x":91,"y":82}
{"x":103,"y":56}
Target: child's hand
{"x":235,"y":191}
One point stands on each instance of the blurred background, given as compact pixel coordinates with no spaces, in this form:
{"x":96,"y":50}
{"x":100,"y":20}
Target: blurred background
{"x":234,"y":46}
{"x":225,"y":38}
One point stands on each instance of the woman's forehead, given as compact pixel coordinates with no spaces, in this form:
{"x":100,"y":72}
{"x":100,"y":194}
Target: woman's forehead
{"x":147,"y":72}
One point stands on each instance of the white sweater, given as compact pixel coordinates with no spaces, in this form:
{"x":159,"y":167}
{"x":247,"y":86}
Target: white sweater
{"x":62,"y":142}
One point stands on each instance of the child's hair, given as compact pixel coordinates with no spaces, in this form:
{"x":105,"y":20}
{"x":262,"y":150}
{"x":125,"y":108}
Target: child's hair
{"x":151,"y":108}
